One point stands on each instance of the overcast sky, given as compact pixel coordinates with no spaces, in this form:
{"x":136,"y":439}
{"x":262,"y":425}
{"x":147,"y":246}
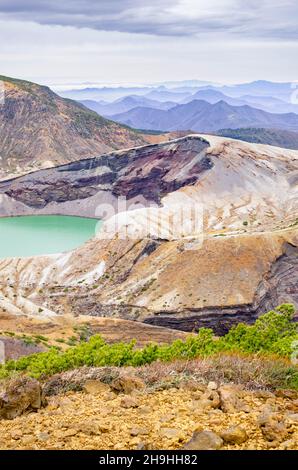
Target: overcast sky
{"x":138,"y":41}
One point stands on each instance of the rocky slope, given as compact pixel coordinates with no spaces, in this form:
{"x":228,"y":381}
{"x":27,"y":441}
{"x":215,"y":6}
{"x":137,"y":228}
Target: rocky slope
{"x":240,"y":261}
{"x":40,"y":129}
{"x":22,"y":335}
{"x":147,"y":410}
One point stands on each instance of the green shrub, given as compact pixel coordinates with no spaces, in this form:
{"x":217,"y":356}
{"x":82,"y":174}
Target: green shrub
{"x":272,"y":333}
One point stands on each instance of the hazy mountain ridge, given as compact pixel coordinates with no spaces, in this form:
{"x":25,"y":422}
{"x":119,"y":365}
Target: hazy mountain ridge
{"x":126,"y":104}
{"x":201,"y":116}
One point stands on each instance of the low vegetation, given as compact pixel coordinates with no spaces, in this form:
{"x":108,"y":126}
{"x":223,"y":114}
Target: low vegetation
{"x":274,"y":333}
{"x":276,"y":137}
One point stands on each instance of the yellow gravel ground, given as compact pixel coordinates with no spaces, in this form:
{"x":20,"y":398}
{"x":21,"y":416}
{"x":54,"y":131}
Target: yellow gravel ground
{"x":155,"y":420}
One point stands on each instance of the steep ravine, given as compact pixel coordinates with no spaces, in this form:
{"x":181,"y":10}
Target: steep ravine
{"x":279,"y":286}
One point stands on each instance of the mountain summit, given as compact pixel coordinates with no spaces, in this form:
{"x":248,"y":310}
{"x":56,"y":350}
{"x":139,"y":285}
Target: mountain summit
{"x":40,"y":129}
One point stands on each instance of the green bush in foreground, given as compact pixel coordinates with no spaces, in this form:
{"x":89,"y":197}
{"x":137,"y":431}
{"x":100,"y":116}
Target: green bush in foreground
{"x":272,"y":333}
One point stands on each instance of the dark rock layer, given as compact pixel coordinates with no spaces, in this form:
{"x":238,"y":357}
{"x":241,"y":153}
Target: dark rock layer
{"x":149,"y":171}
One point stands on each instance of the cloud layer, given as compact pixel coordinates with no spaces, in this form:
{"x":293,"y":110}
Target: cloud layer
{"x":267,"y":19}
{"x":138,"y":41}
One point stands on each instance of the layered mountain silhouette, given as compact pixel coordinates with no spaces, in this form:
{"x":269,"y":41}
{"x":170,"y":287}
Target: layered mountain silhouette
{"x":199,"y":115}
{"x":126,"y":104}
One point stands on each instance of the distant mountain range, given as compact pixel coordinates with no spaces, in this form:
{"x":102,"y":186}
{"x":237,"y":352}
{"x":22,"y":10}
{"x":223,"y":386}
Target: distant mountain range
{"x":126,"y":104}
{"x":114,"y":93}
{"x":39,"y":128}
{"x":269,"y":96}
{"x":266,"y":103}
{"x":260,"y":88}
{"x":155,"y":99}
{"x":201,"y":116}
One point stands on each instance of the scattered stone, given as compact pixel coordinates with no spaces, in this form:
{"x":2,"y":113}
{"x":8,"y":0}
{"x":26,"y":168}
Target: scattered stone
{"x":204,"y":440}
{"x":192,"y":386}
{"x":108,"y":396}
{"x":272,"y":425}
{"x":59,"y":402}
{"x":293,"y":417}
{"x":129,"y":402}
{"x":230,"y":401}
{"x":141,"y":446}
{"x":161,"y":420}
{"x":127,"y":384}
{"x":234,"y":435}
{"x":28,"y":440}
{"x":16,"y":435}
{"x":213,"y":398}
{"x":264,"y":394}
{"x":201,"y":405}
{"x":21,"y":395}
{"x":70,"y":432}
{"x":282,"y":393}
{"x":92,"y":427}
{"x":103,"y":427}
{"x":167,"y":418}
{"x":212,"y":386}
{"x":171,"y":433}
{"x":144,"y":409}
{"x":290,"y":444}
{"x":293,"y":406}
{"x":135,"y":441}
{"x":96,"y":387}
{"x":43,"y":436}
{"x":139,"y":431}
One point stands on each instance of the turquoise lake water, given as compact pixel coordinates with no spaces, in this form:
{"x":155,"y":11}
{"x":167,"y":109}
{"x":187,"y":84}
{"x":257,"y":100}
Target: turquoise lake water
{"x":43,"y":235}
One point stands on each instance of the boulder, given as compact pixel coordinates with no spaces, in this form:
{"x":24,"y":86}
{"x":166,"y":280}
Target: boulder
{"x":208,"y":401}
{"x":95,"y":387}
{"x":204,"y":440}
{"x":234,"y":435}
{"x":21,"y":395}
{"x":213,"y":398}
{"x":273,"y":426}
{"x":129,"y":402}
{"x":127,"y":384}
{"x":230,"y":401}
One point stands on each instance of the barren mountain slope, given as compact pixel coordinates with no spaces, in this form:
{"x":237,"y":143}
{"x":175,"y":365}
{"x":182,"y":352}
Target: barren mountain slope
{"x":244,"y":262}
{"x":40,"y":129}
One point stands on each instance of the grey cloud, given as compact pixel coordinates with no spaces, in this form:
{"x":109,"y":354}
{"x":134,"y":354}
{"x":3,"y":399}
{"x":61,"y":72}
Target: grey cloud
{"x":245,"y":18}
